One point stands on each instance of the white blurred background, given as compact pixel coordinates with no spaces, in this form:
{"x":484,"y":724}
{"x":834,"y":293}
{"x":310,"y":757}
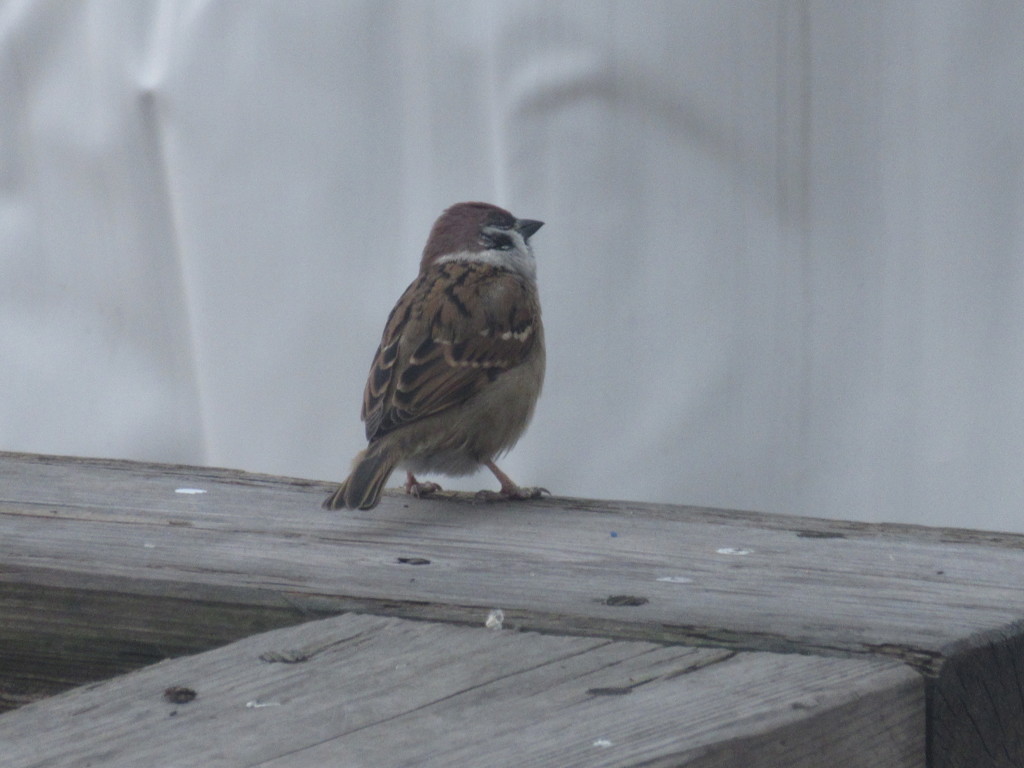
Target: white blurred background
{"x":782,"y":268}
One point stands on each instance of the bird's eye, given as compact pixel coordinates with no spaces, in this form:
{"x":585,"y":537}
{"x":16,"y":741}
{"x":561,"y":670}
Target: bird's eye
{"x":497,"y":241}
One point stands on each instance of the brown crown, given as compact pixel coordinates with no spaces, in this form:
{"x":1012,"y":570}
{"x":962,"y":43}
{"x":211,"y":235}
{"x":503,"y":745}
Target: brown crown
{"x":458,"y":229}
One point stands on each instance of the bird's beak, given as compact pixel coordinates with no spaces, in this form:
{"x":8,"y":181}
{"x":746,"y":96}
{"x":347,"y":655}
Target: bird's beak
{"x":527,"y":227}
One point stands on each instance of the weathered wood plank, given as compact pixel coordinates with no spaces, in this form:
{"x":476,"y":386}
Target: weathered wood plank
{"x":949,"y":602}
{"x":53,"y":638}
{"x":381,"y":692}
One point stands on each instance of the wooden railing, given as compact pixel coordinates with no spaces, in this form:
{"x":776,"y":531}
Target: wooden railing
{"x":452,"y":632}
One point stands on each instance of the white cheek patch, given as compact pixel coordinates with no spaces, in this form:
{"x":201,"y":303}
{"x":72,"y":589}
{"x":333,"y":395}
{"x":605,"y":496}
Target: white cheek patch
{"x":516,"y":237}
{"x":519,"y":259}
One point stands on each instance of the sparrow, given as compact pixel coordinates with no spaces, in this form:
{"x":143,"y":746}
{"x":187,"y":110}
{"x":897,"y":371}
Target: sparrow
{"x":460,"y":364}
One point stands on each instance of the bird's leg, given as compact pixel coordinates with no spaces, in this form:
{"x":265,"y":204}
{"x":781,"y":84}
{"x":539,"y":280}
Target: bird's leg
{"x":509,"y":490}
{"x":415,"y":488}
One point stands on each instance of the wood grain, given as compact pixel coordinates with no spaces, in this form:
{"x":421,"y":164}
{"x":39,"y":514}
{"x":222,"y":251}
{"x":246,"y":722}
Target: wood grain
{"x":117,"y":536}
{"x":371,"y":691}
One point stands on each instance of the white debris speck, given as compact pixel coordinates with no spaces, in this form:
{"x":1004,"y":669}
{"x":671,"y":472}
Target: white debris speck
{"x":189,"y":490}
{"x":602,"y":743}
{"x":257,"y":704}
{"x":147,"y":545}
{"x":675,"y":579}
{"x":495,"y":619}
{"x":733,"y":551}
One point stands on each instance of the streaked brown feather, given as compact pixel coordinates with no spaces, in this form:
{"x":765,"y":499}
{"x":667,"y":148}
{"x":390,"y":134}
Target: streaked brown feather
{"x":463,"y":323}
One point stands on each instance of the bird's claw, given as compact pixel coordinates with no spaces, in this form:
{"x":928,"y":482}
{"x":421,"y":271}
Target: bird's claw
{"x":421,"y":490}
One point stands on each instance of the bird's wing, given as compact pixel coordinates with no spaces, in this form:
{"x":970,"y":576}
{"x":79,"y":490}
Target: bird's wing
{"x":458,"y":327}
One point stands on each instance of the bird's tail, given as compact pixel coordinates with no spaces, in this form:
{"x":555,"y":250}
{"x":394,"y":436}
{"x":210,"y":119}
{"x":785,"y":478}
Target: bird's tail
{"x":362,"y":489}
